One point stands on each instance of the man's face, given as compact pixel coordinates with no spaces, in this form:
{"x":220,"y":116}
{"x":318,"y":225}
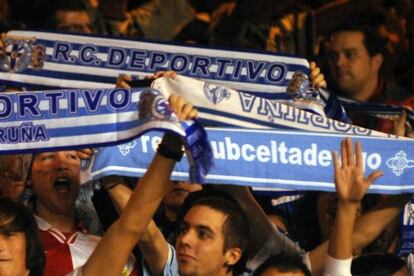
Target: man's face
{"x":13,"y":254}
{"x":74,"y":21}
{"x":55,"y":180}
{"x":353,"y":69}
{"x":200,"y":243}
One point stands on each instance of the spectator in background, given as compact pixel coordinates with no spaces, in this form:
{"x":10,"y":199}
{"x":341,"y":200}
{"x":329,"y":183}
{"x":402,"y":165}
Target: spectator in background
{"x":61,"y":15}
{"x":55,"y":181}
{"x":117,"y":20}
{"x":73,"y":19}
{"x":4,"y":16}
{"x":156,"y":19}
{"x":171,"y":204}
{"x":398,"y":28}
{"x":277,"y":26}
{"x":13,"y":173}
{"x":356,"y":62}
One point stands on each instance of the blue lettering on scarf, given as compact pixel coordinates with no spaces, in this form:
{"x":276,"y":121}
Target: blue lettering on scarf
{"x":341,"y":126}
{"x":157,"y":60}
{"x":5,"y":107}
{"x":200,"y":67}
{"x":25,"y":133}
{"x":269,"y":108}
{"x":276,"y":73}
{"x":119,"y":99}
{"x":137,"y":60}
{"x":247,"y":101}
{"x":87,"y":55}
{"x":53,"y":101}
{"x":92,"y":99}
{"x":222,"y":66}
{"x":320,"y":122}
{"x":73,"y":100}
{"x":179,"y":63}
{"x":237,"y":70}
{"x":193,"y":65}
{"x":116,"y":58}
{"x":62,"y":51}
{"x":28,"y":103}
{"x":303,"y":118}
{"x":254,"y":69}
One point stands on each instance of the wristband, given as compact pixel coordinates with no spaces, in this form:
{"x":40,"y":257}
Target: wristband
{"x":169,"y":153}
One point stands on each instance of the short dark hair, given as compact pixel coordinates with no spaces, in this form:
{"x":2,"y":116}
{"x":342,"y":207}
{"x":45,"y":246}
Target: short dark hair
{"x":15,"y":217}
{"x":235,"y":229}
{"x":367,"y":25}
{"x":72,"y":5}
{"x":377,"y":264}
{"x":46,"y":10}
{"x":284,"y":262}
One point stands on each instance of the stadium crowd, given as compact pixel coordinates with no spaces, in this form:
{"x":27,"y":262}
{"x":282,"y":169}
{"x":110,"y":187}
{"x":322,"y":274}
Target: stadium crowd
{"x":363,"y":51}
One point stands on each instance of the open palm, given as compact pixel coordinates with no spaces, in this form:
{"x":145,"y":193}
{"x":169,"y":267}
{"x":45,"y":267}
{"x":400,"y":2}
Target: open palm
{"x":350,"y":181}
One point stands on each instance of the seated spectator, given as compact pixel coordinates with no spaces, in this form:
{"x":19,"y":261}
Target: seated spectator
{"x":21,"y":249}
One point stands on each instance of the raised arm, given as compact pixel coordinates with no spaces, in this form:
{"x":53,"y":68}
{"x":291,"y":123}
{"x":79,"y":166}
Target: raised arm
{"x":153,"y":245}
{"x":367,"y":228}
{"x":351,"y":186}
{"x":144,"y":201}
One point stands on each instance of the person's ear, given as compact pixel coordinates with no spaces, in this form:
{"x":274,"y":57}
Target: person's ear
{"x":232,"y":256}
{"x":377,"y":61}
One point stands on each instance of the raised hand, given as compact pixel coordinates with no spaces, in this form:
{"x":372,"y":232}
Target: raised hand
{"x":122,"y":81}
{"x":400,"y":127}
{"x":184,"y":110}
{"x":350,"y":182}
{"x":317,"y":78}
{"x":170,"y":74}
